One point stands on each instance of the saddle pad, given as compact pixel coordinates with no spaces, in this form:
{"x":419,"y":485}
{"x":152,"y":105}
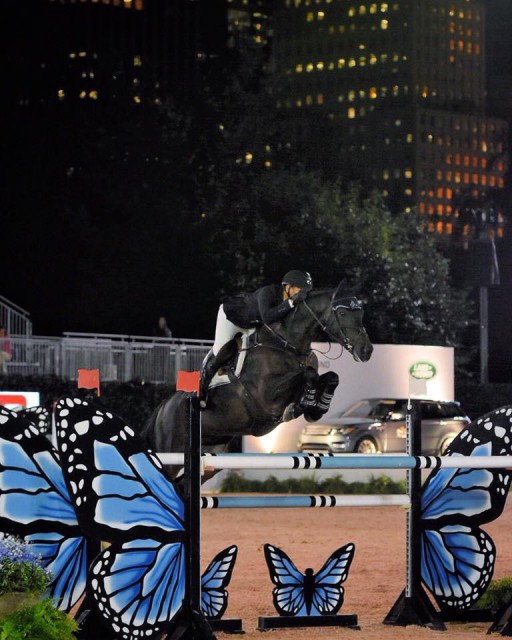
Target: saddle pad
{"x":222,"y":378}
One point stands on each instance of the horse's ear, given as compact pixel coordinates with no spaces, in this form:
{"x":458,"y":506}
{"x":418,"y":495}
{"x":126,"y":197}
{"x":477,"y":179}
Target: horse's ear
{"x":341,"y":290}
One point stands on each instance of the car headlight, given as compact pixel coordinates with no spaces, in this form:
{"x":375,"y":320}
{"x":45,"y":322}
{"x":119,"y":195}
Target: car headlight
{"x":341,"y":431}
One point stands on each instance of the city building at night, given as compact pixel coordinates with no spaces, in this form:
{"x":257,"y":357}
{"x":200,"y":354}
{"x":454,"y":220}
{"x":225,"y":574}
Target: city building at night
{"x":122,"y":50}
{"x":399,"y":88}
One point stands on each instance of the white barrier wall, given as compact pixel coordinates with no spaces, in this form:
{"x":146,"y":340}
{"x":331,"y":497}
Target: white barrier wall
{"x":387,"y":374}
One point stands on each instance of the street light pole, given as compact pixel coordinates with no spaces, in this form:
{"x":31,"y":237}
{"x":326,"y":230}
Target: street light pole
{"x":484,"y":335}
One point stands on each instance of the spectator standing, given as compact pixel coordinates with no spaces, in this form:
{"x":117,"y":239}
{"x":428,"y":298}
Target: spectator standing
{"x":162,"y":330}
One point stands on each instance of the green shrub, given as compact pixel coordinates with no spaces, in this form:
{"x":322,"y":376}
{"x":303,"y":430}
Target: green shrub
{"x":236,"y":483}
{"x":41,"y":621}
{"x":498,"y":593}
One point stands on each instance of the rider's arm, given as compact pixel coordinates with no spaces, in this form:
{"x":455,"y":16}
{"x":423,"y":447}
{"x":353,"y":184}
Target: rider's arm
{"x":270,"y":309}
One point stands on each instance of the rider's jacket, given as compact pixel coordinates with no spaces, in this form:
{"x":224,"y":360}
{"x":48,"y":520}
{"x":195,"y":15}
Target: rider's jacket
{"x":265,"y":305}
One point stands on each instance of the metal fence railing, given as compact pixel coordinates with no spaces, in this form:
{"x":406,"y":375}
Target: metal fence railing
{"x":118,"y":357}
{"x":14,"y":319}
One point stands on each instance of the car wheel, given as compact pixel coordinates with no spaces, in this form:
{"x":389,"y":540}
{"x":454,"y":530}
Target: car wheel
{"x":367,"y":446}
{"x":444,"y":445}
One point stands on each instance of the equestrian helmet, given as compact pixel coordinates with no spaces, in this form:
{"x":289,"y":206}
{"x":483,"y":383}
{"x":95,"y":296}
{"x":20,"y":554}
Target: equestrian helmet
{"x":301,"y":279}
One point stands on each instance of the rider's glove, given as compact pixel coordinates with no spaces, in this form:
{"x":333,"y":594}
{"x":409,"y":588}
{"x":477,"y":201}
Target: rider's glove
{"x":300,"y":296}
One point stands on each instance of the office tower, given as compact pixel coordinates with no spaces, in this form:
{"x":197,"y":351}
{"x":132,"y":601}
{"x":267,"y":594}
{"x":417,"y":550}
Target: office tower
{"x":395,"y":91}
{"x":109,"y":50}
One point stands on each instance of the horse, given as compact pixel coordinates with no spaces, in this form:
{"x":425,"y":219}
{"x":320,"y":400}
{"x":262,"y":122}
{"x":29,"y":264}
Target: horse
{"x":277,"y":364}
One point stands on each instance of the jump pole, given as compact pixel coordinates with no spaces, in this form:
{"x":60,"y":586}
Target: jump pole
{"x":312,"y":501}
{"x":240,"y":461}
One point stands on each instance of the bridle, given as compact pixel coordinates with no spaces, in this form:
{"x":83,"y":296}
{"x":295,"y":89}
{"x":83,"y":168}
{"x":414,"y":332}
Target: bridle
{"x":349,"y":303}
{"x":352,"y":304}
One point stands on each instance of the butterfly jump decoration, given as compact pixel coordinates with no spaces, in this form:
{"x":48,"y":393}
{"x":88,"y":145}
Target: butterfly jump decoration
{"x":35,"y":504}
{"x":121,"y":494}
{"x":457,"y":556}
{"x":300,"y":596}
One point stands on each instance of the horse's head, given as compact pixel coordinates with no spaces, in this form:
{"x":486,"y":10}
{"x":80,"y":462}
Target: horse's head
{"x":343,"y":323}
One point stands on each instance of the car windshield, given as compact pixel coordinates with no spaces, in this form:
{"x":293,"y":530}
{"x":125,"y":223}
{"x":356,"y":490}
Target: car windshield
{"x":377,"y":409}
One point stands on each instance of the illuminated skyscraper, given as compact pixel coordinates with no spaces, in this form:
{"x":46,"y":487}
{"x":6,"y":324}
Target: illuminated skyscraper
{"x":122,"y":50}
{"x":399,"y":87}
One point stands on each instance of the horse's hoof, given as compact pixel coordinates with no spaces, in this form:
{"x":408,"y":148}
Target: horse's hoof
{"x":290,"y":413}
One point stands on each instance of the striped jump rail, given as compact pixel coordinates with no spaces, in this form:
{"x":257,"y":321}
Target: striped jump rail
{"x":298,"y":501}
{"x":340,"y":461}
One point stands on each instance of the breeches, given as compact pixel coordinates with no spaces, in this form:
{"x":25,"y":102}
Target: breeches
{"x":225,"y":331}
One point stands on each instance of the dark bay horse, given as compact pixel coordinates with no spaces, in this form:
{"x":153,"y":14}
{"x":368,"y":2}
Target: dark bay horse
{"x":277,"y":363}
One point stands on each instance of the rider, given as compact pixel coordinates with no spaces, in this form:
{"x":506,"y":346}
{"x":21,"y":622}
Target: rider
{"x":238,"y":313}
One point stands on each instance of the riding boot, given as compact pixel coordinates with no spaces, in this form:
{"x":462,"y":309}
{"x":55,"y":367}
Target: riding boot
{"x":211,"y":365}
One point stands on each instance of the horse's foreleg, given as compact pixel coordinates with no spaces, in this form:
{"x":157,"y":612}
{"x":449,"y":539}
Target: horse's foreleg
{"x":326,"y":386}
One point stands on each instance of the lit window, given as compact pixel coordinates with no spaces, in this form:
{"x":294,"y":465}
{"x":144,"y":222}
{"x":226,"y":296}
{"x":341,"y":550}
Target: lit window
{"x":351,"y":113}
{"x":408,"y":192}
{"x":384,"y":7}
{"x":385,"y":174}
{"x":83,"y":94}
{"x":248,"y":157}
{"x":320,"y":66}
{"x":268,"y":164}
{"x":373,"y":58}
{"x":439,"y":210}
{"x":93,"y":95}
{"x":362,"y":94}
{"x":137,"y":61}
{"x":440,"y":192}
{"x":309,"y":100}
{"x":373,"y":93}
{"x":362,"y":61}
{"x":137,"y":99}
{"x":396,"y":90}
{"x":310,"y":16}
{"x":299,"y":68}
{"x":341,"y":63}
{"x":320,"y":15}
{"x":309,"y":67}
{"x":351,"y":96}
{"x":352,"y":11}
{"x":351,"y":62}
{"x":409,"y":137}
{"x":373,"y":8}
{"x":320,"y":98}
{"x":60,"y":94}
{"x":383,"y":24}
{"x":362,"y":10}
{"x":408,"y":174}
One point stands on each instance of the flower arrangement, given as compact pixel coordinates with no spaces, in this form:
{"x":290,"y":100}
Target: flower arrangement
{"x":25,"y":612}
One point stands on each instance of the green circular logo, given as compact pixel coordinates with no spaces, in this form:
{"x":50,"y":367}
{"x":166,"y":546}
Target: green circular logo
{"x":423,"y":370}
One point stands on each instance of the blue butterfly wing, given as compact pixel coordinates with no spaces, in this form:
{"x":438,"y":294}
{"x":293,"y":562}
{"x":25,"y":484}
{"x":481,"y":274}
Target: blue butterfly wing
{"x":35,"y":504}
{"x":214,"y":597}
{"x":289,"y":594}
{"x":121,"y":494}
{"x":457,"y":564}
{"x":457,"y":556}
{"x":328,"y":592}
{"x":139,"y":586}
{"x":67,"y":559}
{"x":118,"y":488}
